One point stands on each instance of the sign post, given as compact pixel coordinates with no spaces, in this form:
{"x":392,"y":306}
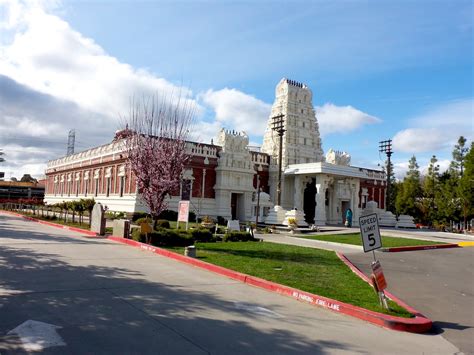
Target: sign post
{"x":370,"y":233}
{"x":183,"y":213}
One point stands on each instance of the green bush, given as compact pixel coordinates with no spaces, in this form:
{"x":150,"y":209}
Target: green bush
{"x":238,"y":237}
{"x":162,"y":223}
{"x":169,"y":215}
{"x":202,"y":235}
{"x":138,"y":215}
{"x":137,"y":236}
{"x":221,"y":220}
{"x":143,"y":220}
{"x":171,"y":238}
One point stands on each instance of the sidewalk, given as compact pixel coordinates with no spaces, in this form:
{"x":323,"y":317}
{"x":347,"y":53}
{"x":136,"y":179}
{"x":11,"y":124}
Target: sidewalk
{"x":282,"y":238}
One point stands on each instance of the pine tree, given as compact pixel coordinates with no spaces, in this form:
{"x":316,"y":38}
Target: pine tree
{"x":409,"y":191}
{"x":459,"y":154}
{"x":430,"y":191}
{"x":466,"y":185}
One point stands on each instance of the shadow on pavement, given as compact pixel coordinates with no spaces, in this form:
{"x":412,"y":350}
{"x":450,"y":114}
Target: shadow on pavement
{"x":116,"y":310}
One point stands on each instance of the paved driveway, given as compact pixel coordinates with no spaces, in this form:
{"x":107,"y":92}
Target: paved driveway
{"x":105,"y":297}
{"x":439,"y":283}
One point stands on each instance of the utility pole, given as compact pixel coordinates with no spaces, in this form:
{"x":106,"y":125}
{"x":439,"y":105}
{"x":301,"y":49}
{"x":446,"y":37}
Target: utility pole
{"x":277,"y":126}
{"x":386,"y":147}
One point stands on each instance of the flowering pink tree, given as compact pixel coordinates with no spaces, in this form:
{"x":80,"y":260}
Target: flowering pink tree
{"x":156,"y":135}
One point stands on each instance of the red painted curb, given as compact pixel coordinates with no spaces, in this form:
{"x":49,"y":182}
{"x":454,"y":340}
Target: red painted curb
{"x":419,"y":247}
{"x":418,"y":324}
{"x":51,"y":224}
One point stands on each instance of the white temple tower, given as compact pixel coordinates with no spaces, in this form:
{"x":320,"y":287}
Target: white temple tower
{"x":301,"y":141}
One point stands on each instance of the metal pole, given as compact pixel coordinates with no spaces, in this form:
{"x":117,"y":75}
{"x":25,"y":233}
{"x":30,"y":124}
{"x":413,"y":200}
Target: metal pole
{"x":258,"y":200}
{"x":280,"y":153}
{"x":386,"y":147}
{"x":278,"y":127}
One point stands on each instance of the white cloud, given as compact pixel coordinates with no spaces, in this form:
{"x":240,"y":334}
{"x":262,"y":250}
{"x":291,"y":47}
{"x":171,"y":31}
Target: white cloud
{"x":46,"y":54}
{"x":52,"y":79}
{"x":341,"y":119}
{"x":235,"y":109}
{"x":437,"y":129}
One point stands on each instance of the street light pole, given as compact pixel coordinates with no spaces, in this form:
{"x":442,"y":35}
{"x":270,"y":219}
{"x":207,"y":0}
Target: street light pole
{"x":386,"y":147}
{"x":277,"y":126}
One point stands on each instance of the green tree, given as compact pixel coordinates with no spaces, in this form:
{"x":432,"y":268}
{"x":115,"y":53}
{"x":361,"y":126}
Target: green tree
{"x":431,"y":189}
{"x":392,"y":195}
{"x":88,"y":204}
{"x":459,"y":154}
{"x":409,"y":191}
{"x":466,"y":185}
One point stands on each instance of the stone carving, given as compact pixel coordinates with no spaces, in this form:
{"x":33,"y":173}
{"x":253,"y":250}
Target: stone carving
{"x":121,"y":228}
{"x":297,"y":215}
{"x":338,"y":157}
{"x":231,"y":141}
{"x":405,"y":221}
{"x":387,"y":219}
{"x":98,"y":219}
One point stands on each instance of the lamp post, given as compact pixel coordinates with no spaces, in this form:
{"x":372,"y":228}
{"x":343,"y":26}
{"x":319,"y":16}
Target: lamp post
{"x":386,"y":147}
{"x":277,"y":126}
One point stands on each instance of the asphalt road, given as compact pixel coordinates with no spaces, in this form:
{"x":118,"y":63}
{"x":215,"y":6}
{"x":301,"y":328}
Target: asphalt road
{"x":106,"y":298}
{"x":438,"y":283}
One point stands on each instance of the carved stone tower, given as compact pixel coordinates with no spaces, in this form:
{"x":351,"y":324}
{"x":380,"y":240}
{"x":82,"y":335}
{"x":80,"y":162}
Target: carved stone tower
{"x":301,"y":142}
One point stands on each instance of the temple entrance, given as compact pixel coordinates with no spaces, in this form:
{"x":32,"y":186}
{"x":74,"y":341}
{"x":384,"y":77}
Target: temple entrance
{"x":309,"y":202}
{"x":237,"y":206}
{"x":345,"y":205}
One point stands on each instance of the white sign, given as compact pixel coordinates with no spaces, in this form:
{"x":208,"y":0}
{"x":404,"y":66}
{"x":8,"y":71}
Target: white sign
{"x":183,"y":211}
{"x":233,"y":225}
{"x":370,"y":232}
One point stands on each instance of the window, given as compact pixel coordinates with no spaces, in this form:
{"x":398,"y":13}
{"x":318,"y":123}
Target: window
{"x":96,"y":187}
{"x":303,"y":124}
{"x":302,"y":110}
{"x":122,"y":185}
{"x":107,"y":193}
{"x":86,"y":187}
{"x":77,"y":188}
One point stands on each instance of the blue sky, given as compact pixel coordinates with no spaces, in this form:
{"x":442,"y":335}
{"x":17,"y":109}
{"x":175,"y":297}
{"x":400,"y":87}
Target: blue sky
{"x":378,"y":70}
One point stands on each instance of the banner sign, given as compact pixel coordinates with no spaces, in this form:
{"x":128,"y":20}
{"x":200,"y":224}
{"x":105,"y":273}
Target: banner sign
{"x":183,"y":211}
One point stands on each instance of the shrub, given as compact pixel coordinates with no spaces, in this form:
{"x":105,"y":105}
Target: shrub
{"x":172,"y":238}
{"x":202,"y":235}
{"x":143,"y":220}
{"x":169,"y":215}
{"x":138,"y":215}
{"x":162,"y":223}
{"x":238,"y":237}
{"x":221,"y":220}
{"x":137,"y":236}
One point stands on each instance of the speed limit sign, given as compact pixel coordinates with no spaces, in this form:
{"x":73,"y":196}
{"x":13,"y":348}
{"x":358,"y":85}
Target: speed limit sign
{"x":369,"y":230}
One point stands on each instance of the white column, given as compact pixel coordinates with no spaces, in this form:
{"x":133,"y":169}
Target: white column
{"x":355,"y":185}
{"x":320,"y":212}
{"x":298,"y":200}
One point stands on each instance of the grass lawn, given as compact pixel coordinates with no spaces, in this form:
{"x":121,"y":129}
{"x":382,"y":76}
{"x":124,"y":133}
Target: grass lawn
{"x":308,"y":269}
{"x":355,"y":239}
